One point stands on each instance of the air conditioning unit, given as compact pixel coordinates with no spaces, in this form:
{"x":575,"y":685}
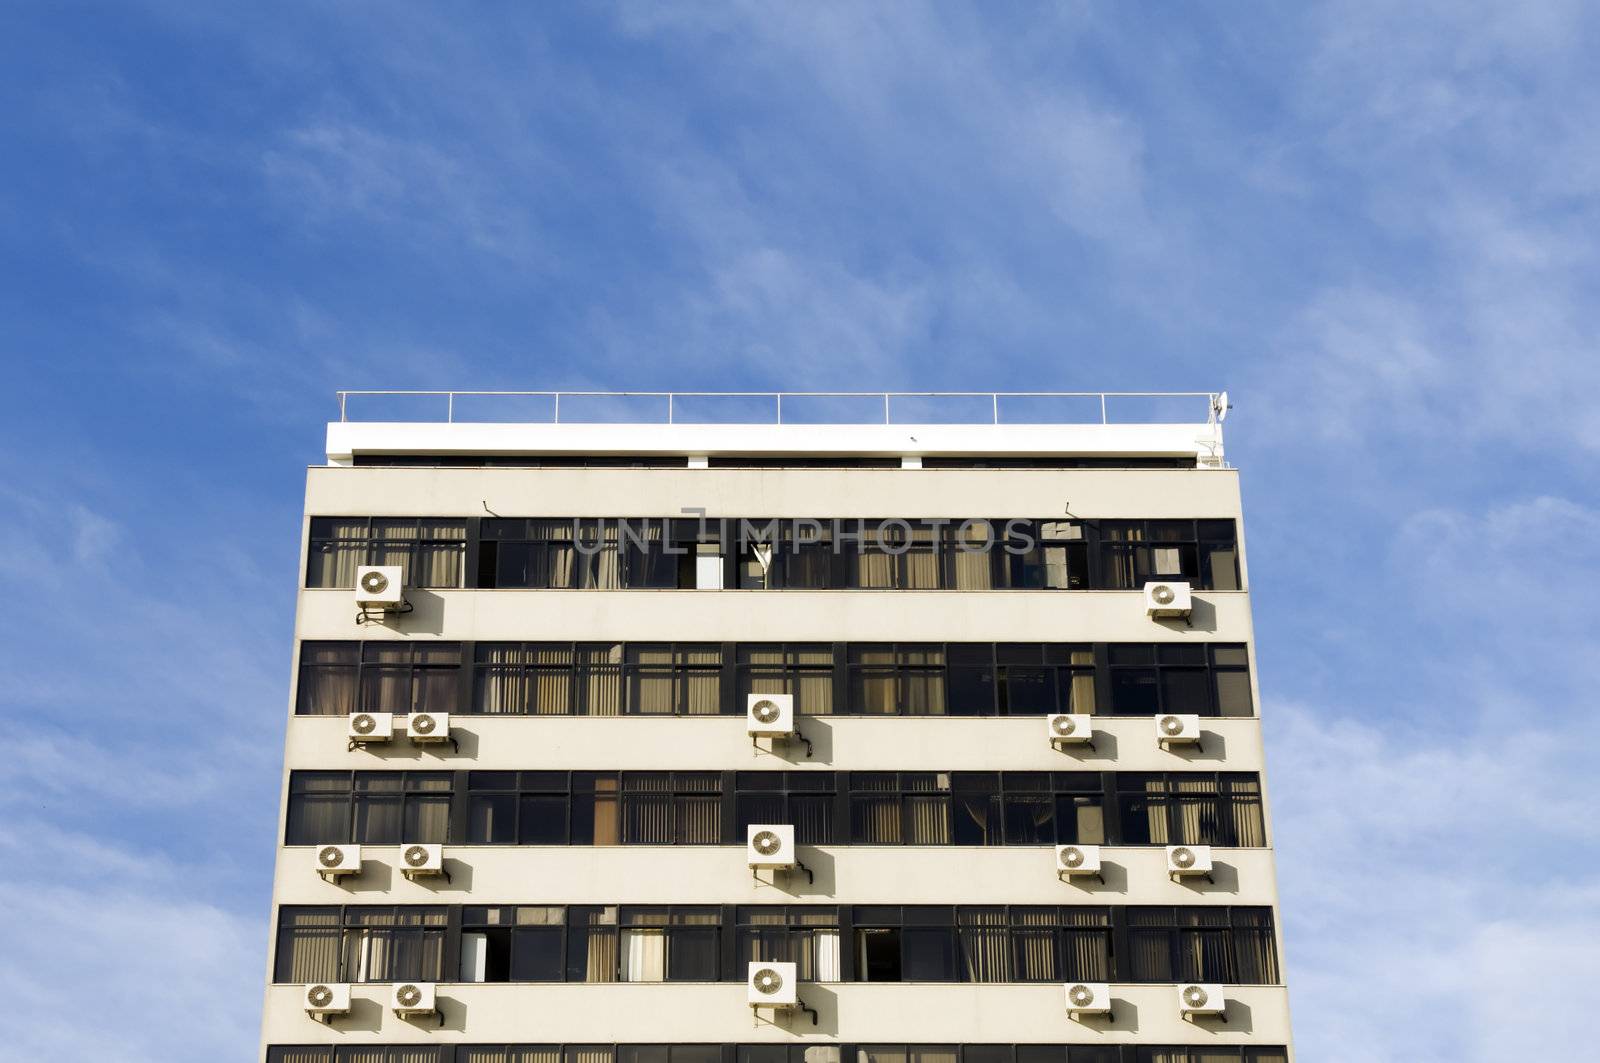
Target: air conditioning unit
{"x":428,"y":727}
{"x":324,"y":999}
{"x":421,"y":859}
{"x":1077,"y":860}
{"x":1167,"y":598}
{"x":336,"y":860}
{"x":1201,"y":998}
{"x":371,"y":727}
{"x":773,"y":985}
{"x":769,"y":715}
{"x":1178,"y":729}
{"x":1189,"y":861}
{"x":411,"y":999}
{"x":770,"y":845}
{"x":380,"y":587}
{"x":1070,"y":728}
{"x":1088,"y":998}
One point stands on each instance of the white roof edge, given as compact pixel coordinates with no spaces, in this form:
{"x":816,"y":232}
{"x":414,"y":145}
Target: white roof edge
{"x":349,"y":438}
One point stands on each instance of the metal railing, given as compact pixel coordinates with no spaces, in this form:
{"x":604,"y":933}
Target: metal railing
{"x":672,"y":402}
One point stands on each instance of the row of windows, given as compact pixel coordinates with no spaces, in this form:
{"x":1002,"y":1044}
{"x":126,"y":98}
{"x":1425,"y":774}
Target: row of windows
{"x":615,"y":553}
{"x":812,"y":1053}
{"x":825,"y":807}
{"x":708,"y":678}
{"x":828,"y":943}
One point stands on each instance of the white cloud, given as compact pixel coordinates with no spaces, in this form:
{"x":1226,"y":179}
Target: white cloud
{"x":1419,"y":870}
{"x":108,"y":960}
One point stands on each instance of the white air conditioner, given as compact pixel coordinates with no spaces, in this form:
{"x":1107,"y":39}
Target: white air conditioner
{"x":409,"y":999}
{"x":380,"y":587}
{"x":327,"y":998}
{"x":1074,"y":860}
{"x":421,"y":859}
{"x":371,"y":726}
{"x":770,"y":845}
{"x":1167,"y":598}
{"x":336,"y":860}
{"x":769,"y":715}
{"x":1177,"y":729}
{"x":1201,"y":998}
{"x":1188,"y":861}
{"x":773,"y":985}
{"x":1088,"y":998}
{"x":428,"y":727}
{"x":1070,"y":728}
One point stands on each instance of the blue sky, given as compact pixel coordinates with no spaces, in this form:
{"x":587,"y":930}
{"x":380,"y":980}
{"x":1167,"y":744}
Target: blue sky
{"x":1372,"y":222}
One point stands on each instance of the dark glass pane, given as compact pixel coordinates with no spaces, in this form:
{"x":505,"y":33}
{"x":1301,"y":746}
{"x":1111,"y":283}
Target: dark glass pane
{"x":929,"y":955}
{"x":536,"y":955}
{"x":1185,"y":690}
{"x":543,"y":821}
{"x":1133,"y":691}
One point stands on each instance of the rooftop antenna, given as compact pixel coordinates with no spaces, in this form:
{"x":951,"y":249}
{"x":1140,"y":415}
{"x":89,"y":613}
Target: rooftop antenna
{"x":1220,"y":407}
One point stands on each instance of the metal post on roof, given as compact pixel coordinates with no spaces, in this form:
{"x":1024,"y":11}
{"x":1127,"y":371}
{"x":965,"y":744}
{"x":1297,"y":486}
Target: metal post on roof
{"x":669,"y":407}
{"x":994,"y":397}
{"x":779,"y":396}
{"x":450,"y":407}
{"x":558,"y":409}
{"x":886,"y":419}
{"x":1103,"y":408}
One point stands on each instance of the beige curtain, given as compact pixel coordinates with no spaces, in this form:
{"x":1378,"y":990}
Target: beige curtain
{"x":598,"y":676}
{"x":644,"y":955}
{"x":1033,"y":936}
{"x":985,"y":945}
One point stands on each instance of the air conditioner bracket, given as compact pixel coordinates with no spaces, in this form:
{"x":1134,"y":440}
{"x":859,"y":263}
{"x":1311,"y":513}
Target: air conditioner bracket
{"x":370,"y":616}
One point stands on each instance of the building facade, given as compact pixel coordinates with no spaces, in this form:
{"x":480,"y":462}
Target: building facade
{"x":711,"y":743}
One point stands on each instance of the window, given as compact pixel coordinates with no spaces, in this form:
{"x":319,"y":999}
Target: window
{"x":796,"y":554}
{"x":519,"y":808}
{"x":338,"y":678}
{"x":1020,"y":678}
{"x":805,"y":935}
{"x":586,"y":553}
{"x":432,"y":551}
{"x":360,"y":944}
{"x":1210,"y":944}
{"x":907,"y":678}
{"x":368,"y":807}
{"x":365,"y":1054}
{"x":592,"y":943}
{"x":1208,"y":679}
{"x":1027,"y":808}
{"x":671,"y":808}
{"x":1058,"y":560}
{"x":523,"y":943}
{"x":1191,"y":808}
{"x":802,"y":798}
{"x":1034,"y":944}
{"x":670,"y":943}
{"x":900,"y":808}
{"x":912,"y":944}
{"x":594,"y":808}
{"x":1203,"y":552}
{"x":802,"y":670}
{"x":598,"y":679}
{"x":548,"y":678}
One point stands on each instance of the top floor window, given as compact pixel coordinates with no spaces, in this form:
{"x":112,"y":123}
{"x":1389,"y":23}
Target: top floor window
{"x":893,"y":553}
{"x":432,"y":550}
{"x":1202,"y":552}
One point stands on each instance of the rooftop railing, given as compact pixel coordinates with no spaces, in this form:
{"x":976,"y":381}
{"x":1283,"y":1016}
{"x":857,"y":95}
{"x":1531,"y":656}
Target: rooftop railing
{"x":784,"y":407}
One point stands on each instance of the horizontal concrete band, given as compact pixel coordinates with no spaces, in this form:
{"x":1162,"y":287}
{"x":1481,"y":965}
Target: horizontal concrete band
{"x":717,"y":1013}
{"x":719,"y":874}
{"x":839,"y":743}
{"x":778,"y":616}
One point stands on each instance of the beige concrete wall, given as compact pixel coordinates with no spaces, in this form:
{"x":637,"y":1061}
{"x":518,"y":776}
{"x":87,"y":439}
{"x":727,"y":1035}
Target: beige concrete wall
{"x":840,"y":743}
{"x":777,"y":616}
{"x":709,"y":1012}
{"x":845,"y":874}
{"x":820,"y":493}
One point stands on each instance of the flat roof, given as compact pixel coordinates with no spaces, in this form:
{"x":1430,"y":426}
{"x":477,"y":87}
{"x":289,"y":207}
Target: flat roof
{"x":779,"y":424}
